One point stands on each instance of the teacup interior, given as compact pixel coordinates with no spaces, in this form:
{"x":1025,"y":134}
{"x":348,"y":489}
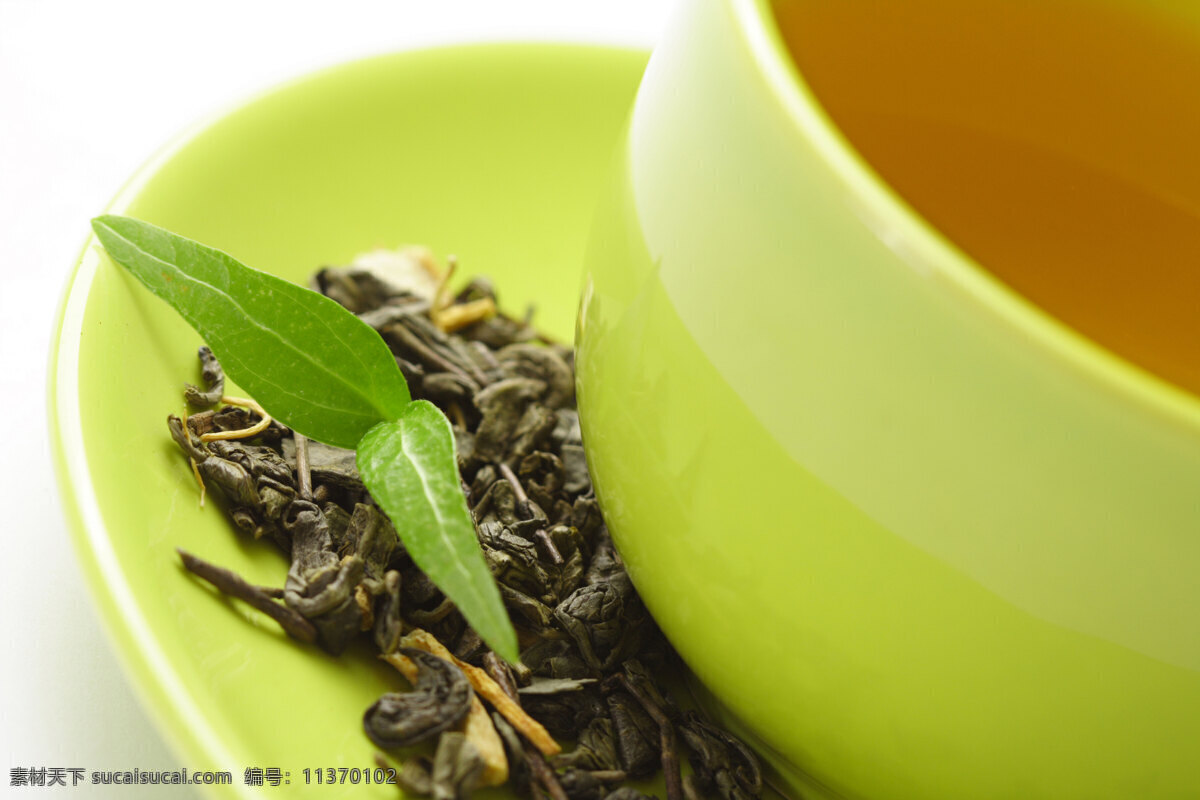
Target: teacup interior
{"x":1054,"y":142}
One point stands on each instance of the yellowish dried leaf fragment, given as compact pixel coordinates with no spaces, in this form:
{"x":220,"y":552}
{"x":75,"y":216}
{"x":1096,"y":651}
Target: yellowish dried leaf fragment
{"x":477,"y":727}
{"x":489,"y":690}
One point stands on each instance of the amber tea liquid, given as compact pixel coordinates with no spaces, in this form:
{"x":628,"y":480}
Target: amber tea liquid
{"x":1056,"y":142}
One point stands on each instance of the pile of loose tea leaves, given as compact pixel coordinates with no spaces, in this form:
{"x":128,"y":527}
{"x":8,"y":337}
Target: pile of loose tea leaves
{"x":589,"y":651}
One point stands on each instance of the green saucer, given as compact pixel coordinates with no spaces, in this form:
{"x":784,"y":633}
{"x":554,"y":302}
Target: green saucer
{"x":495,"y":153}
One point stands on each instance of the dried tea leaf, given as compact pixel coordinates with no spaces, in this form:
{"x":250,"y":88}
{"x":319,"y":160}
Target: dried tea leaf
{"x":513,"y":559}
{"x":373,"y":538}
{"x":388,"y":623}
{"x":564,"y":713}
{"x":338,"y":520}
{"x":503,"y":405}
{"x":517,"y":447}
{"x":628,"y":793}
{"x":480,"y":732}
{"x":319,"y":584}
{"x":327,"y":464}
{"x":489,"y":690}
{"x":457,"y":766}
{"x":407,"y":270}
{"x":723,"y":763}
{"x":595,"y":748}
{"x":555,"y":658}
{"x":440,"y":699}
{"x":451,"y":775}
{"x":214,"y":381}
{"x":634,"y":680}
{"x":605,"y":620}
{"x":580,"y":784}
{"x":414,"y":777}
{"x":470,"y":648}
{"x":541,"y":474}
{"x":637,"y":737}
{"x":575,"y":472}
{"x":234,"y":585}
{"x":518,"y":762}
{"x":261,"y":462}
{"x":532,"y":432}
{"x":543,"y":686}
{"x":543,"y":364}
{"x":477,"y":727}
{"x":534,"y":615}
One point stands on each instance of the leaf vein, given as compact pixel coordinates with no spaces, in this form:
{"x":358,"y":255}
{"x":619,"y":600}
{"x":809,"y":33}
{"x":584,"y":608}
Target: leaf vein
{"x":447,"y":543}
{"x":271,"y":333}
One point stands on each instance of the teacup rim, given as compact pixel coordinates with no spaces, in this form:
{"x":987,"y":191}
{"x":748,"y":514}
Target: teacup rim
{"x":932,"y":251}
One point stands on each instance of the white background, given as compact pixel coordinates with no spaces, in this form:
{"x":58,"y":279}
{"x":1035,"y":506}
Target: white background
{"x":88,"y":91}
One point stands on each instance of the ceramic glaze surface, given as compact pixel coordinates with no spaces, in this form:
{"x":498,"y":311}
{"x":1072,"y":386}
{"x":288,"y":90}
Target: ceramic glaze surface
{"x":921,"y":539}
{"x":495,"y":153}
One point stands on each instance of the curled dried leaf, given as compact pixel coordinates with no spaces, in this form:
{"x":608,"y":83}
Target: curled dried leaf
{"x":606,"y":620}
{"x":457,"y":766}
{"x":489,"y":690}
{"x":627,"y":793}
{"x":214,"y":381}
{"x":723,"y":763}
{"x":440,"y":699}
{"x":477,"y":727}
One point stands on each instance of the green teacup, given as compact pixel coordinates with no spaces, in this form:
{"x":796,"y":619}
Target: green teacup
{"x":922,"y":539}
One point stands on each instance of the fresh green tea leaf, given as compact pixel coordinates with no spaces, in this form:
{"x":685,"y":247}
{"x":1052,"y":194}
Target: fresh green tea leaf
{"x":410,"y":469}
{"x":305,"y":359}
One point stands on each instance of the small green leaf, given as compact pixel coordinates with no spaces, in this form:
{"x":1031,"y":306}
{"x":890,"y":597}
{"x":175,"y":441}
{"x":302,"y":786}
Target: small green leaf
{"x":330,"y":376}
{"x":305,"y":359}
{"x":410,"y":469}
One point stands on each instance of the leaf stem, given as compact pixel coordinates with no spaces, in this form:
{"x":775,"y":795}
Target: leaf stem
{"x":548,"y":544}
{"x":450,"y":317}
{"x":542,"y":772}
{"x":667,"y":742}
{"x":413,"y":342}
{"x":303,"y":474}
{"x":487,"y":688}
{"x":234,"y":585}
{"x":523,"y":506}
{"x":199,"y":479}
{"x":441,"y":298}
{"x":244,"y":433}
{"x":518,"y":489}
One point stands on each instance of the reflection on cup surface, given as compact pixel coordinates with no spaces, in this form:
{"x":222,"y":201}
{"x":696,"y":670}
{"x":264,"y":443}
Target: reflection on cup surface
{"x":919,"y":537}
